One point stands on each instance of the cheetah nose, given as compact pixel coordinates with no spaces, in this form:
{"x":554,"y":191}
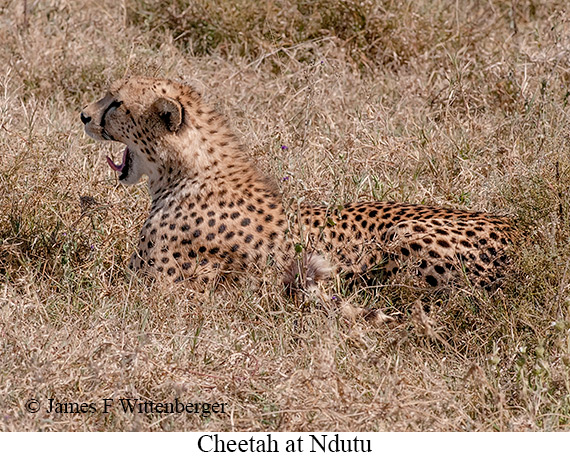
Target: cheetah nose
{"x":85,"y":119}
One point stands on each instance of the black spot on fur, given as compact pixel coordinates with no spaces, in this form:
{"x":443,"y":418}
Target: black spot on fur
{"x":416,"y":247}
{"x":431,"y":280}
{"x":443,"y":243}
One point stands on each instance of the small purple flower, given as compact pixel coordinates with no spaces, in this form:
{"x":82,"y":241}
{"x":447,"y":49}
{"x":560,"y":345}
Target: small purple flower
{"x":334,"y":297}
{"x":92,"y":247}
{"x":285,"y":178}
{"x":284,"y":148}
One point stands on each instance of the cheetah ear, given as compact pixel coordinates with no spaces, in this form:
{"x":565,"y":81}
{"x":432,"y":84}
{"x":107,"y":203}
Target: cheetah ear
{"x":170,"y":111}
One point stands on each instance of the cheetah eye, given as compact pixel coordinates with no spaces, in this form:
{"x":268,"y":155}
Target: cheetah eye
{"x":114,"y":105}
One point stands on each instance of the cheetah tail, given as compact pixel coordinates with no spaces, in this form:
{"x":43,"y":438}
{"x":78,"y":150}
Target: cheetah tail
{"x":305,"y":273}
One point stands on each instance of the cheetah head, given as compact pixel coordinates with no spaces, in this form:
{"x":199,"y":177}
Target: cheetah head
{"x":142,"y":113}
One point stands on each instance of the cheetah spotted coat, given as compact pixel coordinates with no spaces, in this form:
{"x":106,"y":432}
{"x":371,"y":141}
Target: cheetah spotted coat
{"x":214,"y":215}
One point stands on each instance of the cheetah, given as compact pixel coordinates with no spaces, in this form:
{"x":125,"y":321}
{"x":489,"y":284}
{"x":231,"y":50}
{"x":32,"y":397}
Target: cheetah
{"x":214,"y":215}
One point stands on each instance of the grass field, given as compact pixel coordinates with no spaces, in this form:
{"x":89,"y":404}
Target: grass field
{"x":455,"y":103}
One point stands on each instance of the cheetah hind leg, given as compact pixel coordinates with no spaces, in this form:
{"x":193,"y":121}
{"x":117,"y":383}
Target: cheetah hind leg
{"x":373,"y":316}
{"x":304,"y":280}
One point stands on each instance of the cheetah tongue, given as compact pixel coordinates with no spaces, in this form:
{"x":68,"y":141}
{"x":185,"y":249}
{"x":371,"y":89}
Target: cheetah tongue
{"x":116,"y":167}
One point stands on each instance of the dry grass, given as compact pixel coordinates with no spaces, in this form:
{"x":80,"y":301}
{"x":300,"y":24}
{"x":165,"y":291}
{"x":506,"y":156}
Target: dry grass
{"x":418,"y":101}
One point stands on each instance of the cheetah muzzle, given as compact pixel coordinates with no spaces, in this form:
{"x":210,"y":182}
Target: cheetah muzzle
{"x":213,"y":215}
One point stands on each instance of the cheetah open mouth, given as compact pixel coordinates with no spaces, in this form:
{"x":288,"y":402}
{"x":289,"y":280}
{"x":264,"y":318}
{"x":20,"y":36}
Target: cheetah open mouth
{"x":123,"y":168}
